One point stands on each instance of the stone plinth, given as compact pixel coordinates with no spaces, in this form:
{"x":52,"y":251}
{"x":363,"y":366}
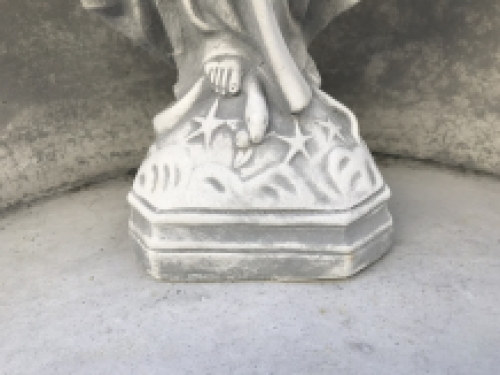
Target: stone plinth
{"x":213,"y":246}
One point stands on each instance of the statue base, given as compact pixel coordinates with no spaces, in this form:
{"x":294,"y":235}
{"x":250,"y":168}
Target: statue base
{"x":306,"y":203}
{"x":293,"y":246}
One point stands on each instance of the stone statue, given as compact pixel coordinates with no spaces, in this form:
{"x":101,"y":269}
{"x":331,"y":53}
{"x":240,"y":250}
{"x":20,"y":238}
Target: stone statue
{"x":255,"y":173}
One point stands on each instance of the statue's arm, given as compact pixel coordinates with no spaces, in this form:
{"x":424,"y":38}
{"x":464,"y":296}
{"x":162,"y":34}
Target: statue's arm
{"x":139,"y":20}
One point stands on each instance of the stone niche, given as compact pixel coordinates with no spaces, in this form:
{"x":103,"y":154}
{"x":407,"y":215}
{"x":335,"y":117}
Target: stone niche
{"x":420,"y":76}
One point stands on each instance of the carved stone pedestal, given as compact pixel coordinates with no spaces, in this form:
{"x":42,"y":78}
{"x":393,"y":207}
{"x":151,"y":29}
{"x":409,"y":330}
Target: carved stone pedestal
{"x":307,"y":203}
{"x":250,"y":246}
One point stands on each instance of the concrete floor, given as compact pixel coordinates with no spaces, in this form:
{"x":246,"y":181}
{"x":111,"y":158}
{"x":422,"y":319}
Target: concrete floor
{"x":73,"y":299}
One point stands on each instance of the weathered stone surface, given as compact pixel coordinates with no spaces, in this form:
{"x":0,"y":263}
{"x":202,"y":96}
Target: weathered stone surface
{"x":422,"y":77}
{"x":76,"y":100}
{"x":262,"y":246}
{"x":74,"y":301}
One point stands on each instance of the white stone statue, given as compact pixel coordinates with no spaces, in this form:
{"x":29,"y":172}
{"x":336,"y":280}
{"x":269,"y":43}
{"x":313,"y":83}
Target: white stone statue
{"x":255,"y":173}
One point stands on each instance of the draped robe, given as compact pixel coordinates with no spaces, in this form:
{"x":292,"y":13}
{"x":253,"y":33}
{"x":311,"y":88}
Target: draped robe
{"x":272,"y":35}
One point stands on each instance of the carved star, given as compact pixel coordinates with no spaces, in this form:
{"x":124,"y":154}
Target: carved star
{"x":334,"y":130}
{"x":297,"y":143}
{"x":209,"y":124}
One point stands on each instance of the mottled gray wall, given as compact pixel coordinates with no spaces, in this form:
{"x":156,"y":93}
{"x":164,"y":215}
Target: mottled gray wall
{"x":423,"y":77}
{"x":76,"y":99}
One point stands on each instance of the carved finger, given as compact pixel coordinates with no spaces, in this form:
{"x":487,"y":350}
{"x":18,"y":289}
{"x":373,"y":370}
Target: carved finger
{"x":235,"y":80}
{"x":213,"y":76}
{"x":218,"y":79}
{"x":215,"y":79}
{"x":223,"y":80}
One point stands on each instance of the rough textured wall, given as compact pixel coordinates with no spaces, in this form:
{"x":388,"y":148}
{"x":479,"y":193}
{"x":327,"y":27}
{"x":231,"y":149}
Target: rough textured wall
{"x":76,"y":99}
{"x":423,"y":77}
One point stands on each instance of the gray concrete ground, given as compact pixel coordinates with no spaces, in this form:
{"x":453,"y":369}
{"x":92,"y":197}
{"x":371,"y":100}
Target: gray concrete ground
{"x":73,"y":299}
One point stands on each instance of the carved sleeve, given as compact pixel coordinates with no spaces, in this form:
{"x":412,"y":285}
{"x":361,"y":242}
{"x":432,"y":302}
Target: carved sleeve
{"x":320,"y":13}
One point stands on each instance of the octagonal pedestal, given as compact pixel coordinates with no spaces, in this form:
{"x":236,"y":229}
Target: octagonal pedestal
{"x":213,"y":246}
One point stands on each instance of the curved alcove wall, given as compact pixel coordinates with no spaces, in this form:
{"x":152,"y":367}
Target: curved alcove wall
{"x":76,"y":99}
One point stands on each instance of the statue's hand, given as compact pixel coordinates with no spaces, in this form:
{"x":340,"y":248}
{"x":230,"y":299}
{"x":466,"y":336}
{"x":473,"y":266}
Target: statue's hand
{"x":225,"y":74}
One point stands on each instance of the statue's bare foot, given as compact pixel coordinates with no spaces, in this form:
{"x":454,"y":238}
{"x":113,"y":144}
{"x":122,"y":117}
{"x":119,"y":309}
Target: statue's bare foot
{"x":225,"y":75}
